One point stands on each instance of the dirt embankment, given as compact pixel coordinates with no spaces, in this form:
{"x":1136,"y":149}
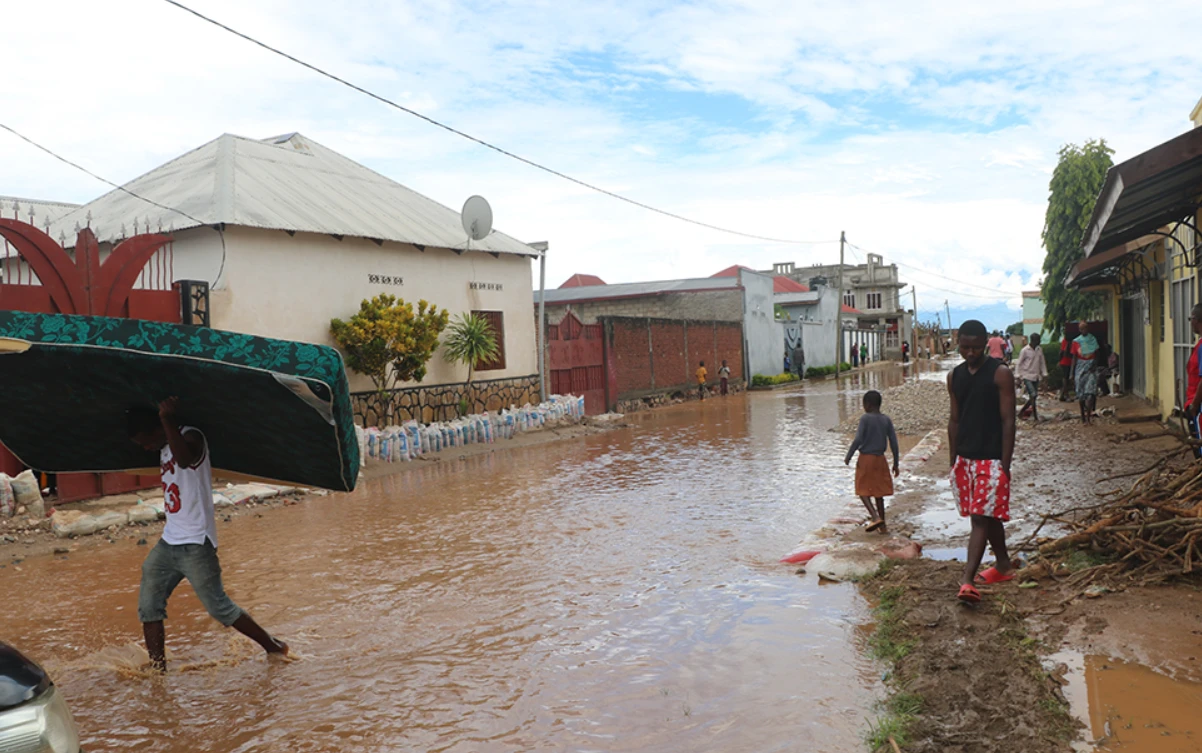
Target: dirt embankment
{"x":994,"y":677}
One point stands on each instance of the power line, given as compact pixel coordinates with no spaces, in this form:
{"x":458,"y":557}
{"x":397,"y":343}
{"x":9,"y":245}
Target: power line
{"x":485,"y":144}
{"x":86,"y":171}
{"x":944,"y":277}
{"x":83,"y":169}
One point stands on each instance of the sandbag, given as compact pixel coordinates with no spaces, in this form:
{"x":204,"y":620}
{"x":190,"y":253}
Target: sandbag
{"x":69,"y":523}
{"x":28,"y":494}
{"x":846,"y":564}
{"x":8,"y":503}
{"x":141,"y":514}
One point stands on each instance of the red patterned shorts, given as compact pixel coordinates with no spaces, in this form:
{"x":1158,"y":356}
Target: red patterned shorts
{"x":981,"y":488}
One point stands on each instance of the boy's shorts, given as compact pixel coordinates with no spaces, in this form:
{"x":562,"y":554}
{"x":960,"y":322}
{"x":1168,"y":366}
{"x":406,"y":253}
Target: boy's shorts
{"x":167,"y":564}
{"x":981,"y":488}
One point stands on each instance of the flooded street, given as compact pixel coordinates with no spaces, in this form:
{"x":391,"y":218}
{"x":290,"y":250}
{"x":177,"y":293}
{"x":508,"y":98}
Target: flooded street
{"x":619,"y":592}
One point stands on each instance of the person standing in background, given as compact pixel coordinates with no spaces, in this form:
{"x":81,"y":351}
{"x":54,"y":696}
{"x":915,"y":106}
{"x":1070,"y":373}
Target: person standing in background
{"x":1066,"y":366}
{"x":701,"y":375}
{"x":724,"y":377}
{"x":1032,"y":368}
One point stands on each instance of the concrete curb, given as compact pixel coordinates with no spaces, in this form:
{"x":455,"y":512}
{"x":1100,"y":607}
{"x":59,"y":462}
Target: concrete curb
{"x":853,"y":557}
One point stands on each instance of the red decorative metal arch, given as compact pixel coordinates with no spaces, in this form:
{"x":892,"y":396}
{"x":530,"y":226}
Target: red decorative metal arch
{"x":84,"y":286}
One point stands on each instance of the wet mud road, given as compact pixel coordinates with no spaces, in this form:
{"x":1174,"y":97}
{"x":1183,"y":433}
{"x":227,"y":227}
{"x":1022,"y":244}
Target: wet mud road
{"x":619,"y":592}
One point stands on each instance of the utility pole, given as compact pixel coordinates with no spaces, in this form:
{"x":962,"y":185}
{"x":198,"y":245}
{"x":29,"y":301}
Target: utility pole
{"x":914,"y":323}
{"x":949,"y":318}
{"x":839,"y":310}
{"x":541,"y":247}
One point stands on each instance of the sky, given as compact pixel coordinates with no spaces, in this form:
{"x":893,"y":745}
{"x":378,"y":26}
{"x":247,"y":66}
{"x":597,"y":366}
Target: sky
{"x":926,"y":131}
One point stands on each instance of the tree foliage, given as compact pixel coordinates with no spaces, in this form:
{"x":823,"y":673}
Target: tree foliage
{"x":470,"y":340}
{"x":1076,"y":183}
{"x":1015,"y":329}
{"x":390,"y":342}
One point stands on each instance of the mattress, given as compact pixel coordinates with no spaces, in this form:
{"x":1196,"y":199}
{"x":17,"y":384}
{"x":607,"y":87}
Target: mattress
{"x":273,"y":410}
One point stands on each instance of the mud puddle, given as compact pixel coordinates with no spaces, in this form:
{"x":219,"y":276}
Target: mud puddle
{"x":1126,"y":706}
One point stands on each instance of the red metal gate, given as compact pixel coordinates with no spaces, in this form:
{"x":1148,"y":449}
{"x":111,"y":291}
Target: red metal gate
{"x":39,"y":275}
{"x":576,"y":362}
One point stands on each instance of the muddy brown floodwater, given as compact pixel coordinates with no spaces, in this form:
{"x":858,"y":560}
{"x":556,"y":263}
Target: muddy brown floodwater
{"x":619,"y":592}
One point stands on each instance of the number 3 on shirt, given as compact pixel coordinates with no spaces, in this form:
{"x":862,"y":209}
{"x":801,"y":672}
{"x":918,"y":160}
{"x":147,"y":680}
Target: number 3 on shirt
{"x":171,"y":493}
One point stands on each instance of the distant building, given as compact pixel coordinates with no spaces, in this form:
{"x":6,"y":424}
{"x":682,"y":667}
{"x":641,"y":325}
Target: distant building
{"x":1032,"y":313}
{"x":872,"y":289}
{"x":631,"y":344}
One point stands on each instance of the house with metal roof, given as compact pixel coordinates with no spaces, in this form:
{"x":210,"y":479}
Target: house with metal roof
{"x":1140,"y":251}
{"x":287,"y":234}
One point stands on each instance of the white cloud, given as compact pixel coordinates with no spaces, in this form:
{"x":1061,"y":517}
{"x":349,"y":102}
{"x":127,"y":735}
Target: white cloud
{"x":925,"y":130}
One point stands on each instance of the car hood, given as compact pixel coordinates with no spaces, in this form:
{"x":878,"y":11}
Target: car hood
{"x":21,"y":680}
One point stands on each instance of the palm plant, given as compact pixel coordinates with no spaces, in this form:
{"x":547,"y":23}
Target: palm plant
{"x":471,"y":340}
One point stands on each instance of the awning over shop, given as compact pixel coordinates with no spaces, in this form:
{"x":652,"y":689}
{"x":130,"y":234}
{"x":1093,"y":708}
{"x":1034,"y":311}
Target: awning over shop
{"x":1147,"y":192}
{"x":1111,"y":267}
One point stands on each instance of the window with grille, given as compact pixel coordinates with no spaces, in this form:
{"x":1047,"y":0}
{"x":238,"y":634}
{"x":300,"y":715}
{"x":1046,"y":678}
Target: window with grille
{"x":874,"y":301}
{"x":496,"y":320}
{"x":849,"y":299}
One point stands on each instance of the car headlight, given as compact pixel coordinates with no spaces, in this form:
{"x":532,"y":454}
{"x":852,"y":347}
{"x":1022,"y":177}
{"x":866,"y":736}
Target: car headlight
{"x":43,"y":725}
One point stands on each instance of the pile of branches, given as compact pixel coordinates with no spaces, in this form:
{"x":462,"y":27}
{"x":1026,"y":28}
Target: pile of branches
{"x":1150,"y":532}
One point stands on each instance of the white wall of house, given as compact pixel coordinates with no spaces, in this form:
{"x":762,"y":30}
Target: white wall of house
{"x":290,"y":287}
{"x":763,"y":337}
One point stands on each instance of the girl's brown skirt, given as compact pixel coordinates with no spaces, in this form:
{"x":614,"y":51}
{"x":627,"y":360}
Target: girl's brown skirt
{"x":873,"y":478}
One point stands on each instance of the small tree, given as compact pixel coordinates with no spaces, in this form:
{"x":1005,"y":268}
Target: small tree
{"x":470,"y":340}
{"x":1076,"y":183}
{"x":1015,"y":329}
{"x":389,"y":342}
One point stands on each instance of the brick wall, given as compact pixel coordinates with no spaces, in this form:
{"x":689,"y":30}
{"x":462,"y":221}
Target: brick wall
{"x":705,"y":305}
{"x":676,"y":349}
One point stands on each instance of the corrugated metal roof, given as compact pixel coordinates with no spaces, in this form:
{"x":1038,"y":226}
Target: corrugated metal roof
{"x":43,"y":211}
{"x":636,"y":289}
{"x":283,"y":183}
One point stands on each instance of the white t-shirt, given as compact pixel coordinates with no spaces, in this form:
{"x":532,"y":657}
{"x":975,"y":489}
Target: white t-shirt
{"x":188,"y":496}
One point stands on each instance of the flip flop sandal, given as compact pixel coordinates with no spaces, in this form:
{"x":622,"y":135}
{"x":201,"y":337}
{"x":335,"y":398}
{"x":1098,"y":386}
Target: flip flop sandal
{"x":874,"y":525}
{"x":992,"y":575}
{"x":969,"y":595}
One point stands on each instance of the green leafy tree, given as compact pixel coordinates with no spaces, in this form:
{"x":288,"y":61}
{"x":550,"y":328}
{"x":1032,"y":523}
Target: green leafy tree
{"x":1076,"y":183}
{"x":470,"y":340}
{"x":1015,"y":329}
{"x":390,"y":342}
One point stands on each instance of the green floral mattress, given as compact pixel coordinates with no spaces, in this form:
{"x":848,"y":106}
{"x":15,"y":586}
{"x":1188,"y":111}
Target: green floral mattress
{"x":271,"y":409}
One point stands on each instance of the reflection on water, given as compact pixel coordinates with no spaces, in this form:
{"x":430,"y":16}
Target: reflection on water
{"x":1131,"y":707}
{"x":614,"y":593}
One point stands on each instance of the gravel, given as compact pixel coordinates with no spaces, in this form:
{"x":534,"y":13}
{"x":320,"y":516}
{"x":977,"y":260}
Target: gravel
{"x":916,"y":407}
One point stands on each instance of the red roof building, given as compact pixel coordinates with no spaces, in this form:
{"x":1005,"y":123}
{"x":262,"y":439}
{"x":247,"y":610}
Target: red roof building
{"x":582,"y":281}
{"x":780,"y":283}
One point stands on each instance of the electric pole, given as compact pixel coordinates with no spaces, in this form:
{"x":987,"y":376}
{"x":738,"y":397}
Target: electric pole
{"x":839,"y":310}
{"x":913,"y":323}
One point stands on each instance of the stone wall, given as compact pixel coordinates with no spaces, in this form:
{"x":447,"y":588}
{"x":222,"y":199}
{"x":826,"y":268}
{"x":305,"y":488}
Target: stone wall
{"x":441,"y":403}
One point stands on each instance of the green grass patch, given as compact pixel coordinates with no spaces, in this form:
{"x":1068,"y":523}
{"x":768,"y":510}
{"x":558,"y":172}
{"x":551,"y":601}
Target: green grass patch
{"x":889,"y":641}
{"x":1083,"y":559}
{"x":765,"y":380}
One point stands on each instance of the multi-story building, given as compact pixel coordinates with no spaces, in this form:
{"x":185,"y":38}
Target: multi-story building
{"x":872,"y":289}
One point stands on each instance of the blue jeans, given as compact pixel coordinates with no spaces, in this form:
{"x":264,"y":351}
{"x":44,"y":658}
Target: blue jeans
{"x":168,"y":564}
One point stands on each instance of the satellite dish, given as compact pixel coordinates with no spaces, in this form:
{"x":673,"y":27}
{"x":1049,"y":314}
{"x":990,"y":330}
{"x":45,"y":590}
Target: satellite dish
{"x":477,"y":218}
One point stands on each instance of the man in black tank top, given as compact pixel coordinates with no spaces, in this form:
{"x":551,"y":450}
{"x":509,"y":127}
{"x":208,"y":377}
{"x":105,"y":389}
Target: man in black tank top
{"x":980,"y":436}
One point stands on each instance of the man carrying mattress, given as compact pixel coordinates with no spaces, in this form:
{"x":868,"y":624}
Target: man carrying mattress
{"x":188,"y":547}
